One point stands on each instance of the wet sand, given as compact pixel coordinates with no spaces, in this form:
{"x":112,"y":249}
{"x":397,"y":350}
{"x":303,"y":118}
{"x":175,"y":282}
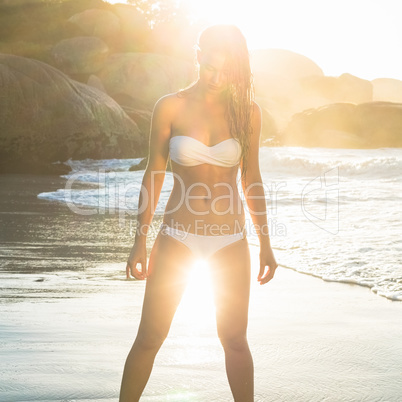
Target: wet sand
{"x":68,"y":318}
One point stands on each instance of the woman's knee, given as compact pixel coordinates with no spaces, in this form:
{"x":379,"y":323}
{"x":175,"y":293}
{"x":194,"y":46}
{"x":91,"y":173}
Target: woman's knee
{"x":234,"y":342}
{"x":149,"y":341}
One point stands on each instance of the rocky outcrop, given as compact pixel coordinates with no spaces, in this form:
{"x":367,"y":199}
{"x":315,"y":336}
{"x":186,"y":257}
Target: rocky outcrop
{"x":380,"y":123}
{"x":346,"y":125}
{"x":283,"y":63}
{"x":345,"y":88}
{"x":143,"y":164}
{"x":95,"y":82}
{"x":277,"y":77}
{"x":288,"y":83}
{"x":135,"y":31}
{"x":269,"y":130}
{"x":81,"y":55}
{"x":142,"y":78}
{"x":387,"y":89}
{"x":94,"y":22}
{"x":185,"y":36}
{"x":123,"y":27}
{"x":46,"y":117}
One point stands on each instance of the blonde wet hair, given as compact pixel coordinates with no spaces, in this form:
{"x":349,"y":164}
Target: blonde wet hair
{"x":229,"y":40}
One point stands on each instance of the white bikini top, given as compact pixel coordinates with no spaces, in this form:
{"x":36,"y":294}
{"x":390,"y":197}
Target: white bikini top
{"x":188,"y":151}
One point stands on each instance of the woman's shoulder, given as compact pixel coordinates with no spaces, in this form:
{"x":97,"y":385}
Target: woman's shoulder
{"x":170,"y":102}
{"x":256,"y":113}
{"x":255,"y":107}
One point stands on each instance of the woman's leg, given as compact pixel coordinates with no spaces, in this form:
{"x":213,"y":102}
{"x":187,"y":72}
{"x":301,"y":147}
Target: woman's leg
{"x":230,"y":271}
{"x":168,"y":269}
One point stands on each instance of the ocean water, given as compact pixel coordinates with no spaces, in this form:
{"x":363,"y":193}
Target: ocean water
{"x":332,"y":213}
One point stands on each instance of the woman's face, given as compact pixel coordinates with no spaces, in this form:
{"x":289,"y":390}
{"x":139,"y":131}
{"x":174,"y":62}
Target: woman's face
{"x":213,"y":75}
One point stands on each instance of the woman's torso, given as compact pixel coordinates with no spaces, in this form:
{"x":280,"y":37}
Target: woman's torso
{"x":205,"y":198}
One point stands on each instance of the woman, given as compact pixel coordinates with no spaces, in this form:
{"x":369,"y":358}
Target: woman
{"x":209,"y":130}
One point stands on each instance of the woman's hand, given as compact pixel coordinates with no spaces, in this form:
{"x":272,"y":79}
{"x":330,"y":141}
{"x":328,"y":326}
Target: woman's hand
{"x":266,"y":259}
{"x":138,"y":255}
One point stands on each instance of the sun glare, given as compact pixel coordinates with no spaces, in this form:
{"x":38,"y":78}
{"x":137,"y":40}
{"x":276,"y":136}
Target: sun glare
{"x":197,"y":307}
{"x":324,"y":31}
{"x":228,"y":12}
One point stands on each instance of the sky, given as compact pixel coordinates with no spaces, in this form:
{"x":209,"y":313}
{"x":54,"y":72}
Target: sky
{"x":360,"y":37}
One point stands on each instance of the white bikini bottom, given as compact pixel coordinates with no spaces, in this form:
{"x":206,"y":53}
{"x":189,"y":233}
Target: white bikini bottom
{"x":202,"y":246}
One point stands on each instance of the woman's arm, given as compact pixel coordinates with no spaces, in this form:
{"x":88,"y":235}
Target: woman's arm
{"x":154,"y":174}
{"x":255,"y":197}
{"x":152,"y":182}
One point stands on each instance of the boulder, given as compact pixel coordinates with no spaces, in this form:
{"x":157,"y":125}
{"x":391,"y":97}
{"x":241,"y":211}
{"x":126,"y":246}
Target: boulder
{"x":280,"y":95}
{"x":345,"y":88}
{"x":143,"y":120}
{"x":269,"y":130}
{"x":277,"y":76}
{"x":143,"y":164}
{"x":379,"y":123}
{"x":135,"y":30}
{"x":185,"y":36}
{"x":140,"y":166}
{"x":95,"y":22}
{"x":329,"y":126}
{"x":346,"y":125}
{"x":80,"y":55}
{"x":95,"y":82}
{"x":387,"y":89}
{"x":283,"y":62}
{"x":144,"y":77}
{"x":47,"y":117}
{"x":287,"y":83}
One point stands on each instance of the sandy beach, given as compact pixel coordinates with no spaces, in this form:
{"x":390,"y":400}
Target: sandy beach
{"x":68,"y":318}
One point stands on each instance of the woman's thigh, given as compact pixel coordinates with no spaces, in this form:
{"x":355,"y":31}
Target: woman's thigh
{"x":168,"y":268}
{"x":230,"y":272}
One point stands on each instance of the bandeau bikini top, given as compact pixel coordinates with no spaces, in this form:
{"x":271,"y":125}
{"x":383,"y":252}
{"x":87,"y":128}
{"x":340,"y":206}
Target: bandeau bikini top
{"x":188,"y":151}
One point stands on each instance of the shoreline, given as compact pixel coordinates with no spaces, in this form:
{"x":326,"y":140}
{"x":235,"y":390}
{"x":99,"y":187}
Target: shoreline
{"x":18,"y":196}
{"x":48,"y":184}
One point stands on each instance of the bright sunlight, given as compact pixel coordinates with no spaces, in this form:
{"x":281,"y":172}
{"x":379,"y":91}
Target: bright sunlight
{"x":342,"y":36}
{"x":197,"y":305}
